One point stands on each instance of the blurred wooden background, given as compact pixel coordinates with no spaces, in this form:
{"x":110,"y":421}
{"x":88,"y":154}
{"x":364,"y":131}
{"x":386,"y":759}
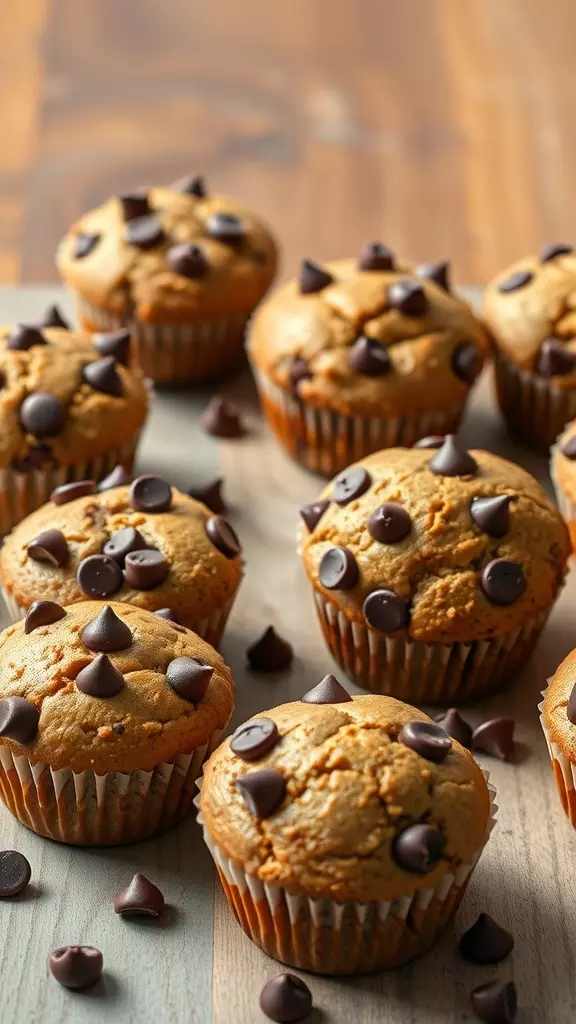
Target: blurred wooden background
{"x":444,"y":127}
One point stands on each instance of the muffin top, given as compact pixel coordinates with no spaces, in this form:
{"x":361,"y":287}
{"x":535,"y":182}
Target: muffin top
{"x":146,"y":544}
{"x":373,"y":800}
{"x":373,"y":336}
{"x":169,"y":255}
{"x":559,"y":706}
{"x":436,"y":544}
{"x":531,"y":310}
{"x":563,"y":467}
{"x":108,"y":688}
{"x":65,"y":396}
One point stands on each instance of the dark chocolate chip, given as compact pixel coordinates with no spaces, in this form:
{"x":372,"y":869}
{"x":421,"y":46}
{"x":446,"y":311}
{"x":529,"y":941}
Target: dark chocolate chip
{"x":118,"y":728}
{"x":189,"y":678}
{"x":569,"y":448}
{"x":37,"y":456}
{"x":492,"y":515}
{"x":408,"y":297}
{"x":376,"y":256}
{"x":453,"y":460}
{"x":338,"y":569}
{"x":210,"y":495}
{"x":368,"y":357}
{"x":486,"y":942}
{"x":53,"y":318}
{"x":350,"y":485}
{"x":466,"y":362}
{"x":134,"y":204}
{"x":42,"y":414}
{"x":145,"y":569}
{"x":100,"y":678}
{"x":313,"y":278}
{"x":102,"y":375}
{"x":255,"y":739}
{"x":107,"y":632}
{"x":226,"y":227}
{"x":503,"y":581}
{"x":286,"y":998}
{"x":24,"y":336}
{"x":140,"y":898}
{"x":15,"y":873}
{"x":222,"y":419}
{"x":119,"y":477}
{"x":144,"y":232}
{"x":76,"y":967}
{"x":299,"y":371}
{"x":456,"y":726}
{"x":69,"y":492}
{"x":389,"y":523}
{"x":554,"y":249}
{"x":191,"y":186}
{"x":571,"y":707}
{"x":122,"y":542}
{"x":168,"y":614}
{"x":84,"y":244}
{"x":439,"y":273}
{"x":312,"y":513}
{"x":270,"y":653}
{"x":327,"y":691}
{"x":42,"y":613}
{"x":187,"y":260}
{"x":223,"y":536}
{"x":495,"y":1002}
{"x":99,"y":576}
{"x":554,"y":359}
{"x":115,"y":344}
{"x":386,"y":611}
{"x":18,"y":719}
{"x":495,"y":737}
{"x":518,"y":280}
{"x":150,"y":494}
{"x":263,"y":791}
{"x":432,"y":441}
{"x":50,"y":547}
{"x":418,"y":848}
{"x":427,"y":739}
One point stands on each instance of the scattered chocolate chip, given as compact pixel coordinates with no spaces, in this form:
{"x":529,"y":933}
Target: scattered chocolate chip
{"x":53,"y":318}
{"x":145,"y":569}
{"x":408,"y":297}
{"x":222,"y":419}
{"x":492,"y":515}
{"x":254,"y":739}
{"x":42,"y":613}
{"x":38,"y":455}
{"x":427,"y":739}
{"x":432,"y":441}
{"x":18,"y":719}
{"x":389,"y":523}
{"x":50,"y":547}
{"x":376,"y":256}
{"x":495,"y":737}
{"x":495,"y":1002}
{"x":456,"y":726}
{"x":571,"y":707}
{"x":551,"y":251}
{"x":23,"y":337}
{"x":386,"y":611}
{"x":466,"y":362}
{"x":189,"y":678}
{"x":84,"y":244}
{"x":144,"y":232}
{"x":312,"y":513}
{"x":554,"y":359}
{"x":518,"y":280}
{"x":313,"y":278}
{"x":350,"y":485}
{"x":69,"y":492}
{"x":327,"y":691}
{"x":140,"y":898}
{"x":42,"y":414}
{"x":119,"y":477}
{"x":503,"y":581}
{"x":211,"y":496}
{"x":263,"y":791}
{"x":299,"y":371}
{"x":453,"y":460}
{"x":187,"y":260}
{"x":102,"y":375}
{"x":76,"y":967}
{"x":134,"y":204}
{"x":100,"y":678}
{"x":569,"y":448}
{"x":15,"y":873}
{"x":439,"y":273}
{"x":486,"y":942}
{"x":115,"y":344}
{"x":368,"y":357}
{"x":223,"y":536}
{"x":150,"y":494}
{"x":107,"y":632}
{"x":99,"y":576}
{"x":191,"y":186}
{"x":338,"y":569}
{"x":418,"y":848}
{"x":122,"y":542}
{"x":168,"y":614}
{"x":270,"y":653}
{"x":226,"y":227}
{"x":286,"y":998}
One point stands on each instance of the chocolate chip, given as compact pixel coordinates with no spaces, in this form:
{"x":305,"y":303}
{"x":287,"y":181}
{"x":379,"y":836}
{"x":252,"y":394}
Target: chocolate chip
{"x":187,"y":260}
{"x":145,"y":569}
{"x":466,"y":362}
{"x":427,"y":739}
{"x":102,"y":375}
{"x":571,"y":707}
{"x":369,"y":358}
{"x":408,"y":297}
{"x":76,"y":967}
{"x":327,"y":691}
{"x":418,"y":848}
{"x":222,"y":419}
{"x":338,"y":569}
{"x":100,"y":678}
{"x":118,"y":728}
{"x":432,"y":441}
{"x":50,"y":547}
{"x":23,"y":337}
{"x":189,"y":678}
{"x":554,"y":359}
{"x":569,"y":448}
{"x":389,"y":523}
{"x":69,"y":492}
{"x":134,"y":204}
{"x":119,"y":477}
{"x":495,"y":1002}
{"x":211,"y":496}
{"x":122,"y":542}
{"x":255,"y":739}
{"x":456,"y":727}
{"x":486,"y":942}
{"x":263,"y":791}
{"x":350,"y":485}
{"x":376,"y":256}
{"x":312,"y":513}
{"x":495,"y":737}
{"x":42,"y":414}
{"x":223,"y":536}
{"x":386,"y":611}
{"x":15,"y":873}
{"x":286,"y":998}
{"x":84,"y":244}
{"x":18,"y":719}
{"x":140,"y":898}
{"x":439,"y":273}
{"x":191,"y":186}
{"x":551,"y":251}
{"x":53,"y":318}
{"x":270,"y":653}
{"x":42,"y":613}
{"x":150,"y":494}
{"x":503,"y":581}
{"x":144,"y":232}
{"x":313,"y":278}
{"x":226,"y":227}
{"x":492,"y":515}
{"x":169,"y":615}
{"x":107,"y":632}
{"x":99,"y":576}
{"x":453,"y":460}
{"x":518,"y":280}
{"x":115,"y":344}
{"x":38,"y":455}
{"x":299,"y":371}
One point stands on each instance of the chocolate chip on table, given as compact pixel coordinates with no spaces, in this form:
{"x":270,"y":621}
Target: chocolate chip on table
{"x":69,"y":492}
{"x":115,"y":344}
{"x":368,"y":357}
{"x":418,"y":848}
{"x":134,"y":204}
{"x":76,"y":967}
{"x":432,"y":441}
{"x":408,"y":297}
{"x":338,"y":569}
{"x":191,"y":186}
{"x":15,"y":873}
{"x":210,"y":495}
{"x":122,"y":542}
{"x":376,"y":256}
{"x":389,"y":523}
{"x":150,"y":494}
{"x":102,"y":375}
{"x":554,"y":359}
{"x":118,"y":477}
{"x":144,"y":232}
{"x":286,"y":998}
{"x":53,"y":318}
{"x":299,"y":371}
{"x":42,"y":613}
{"x":24,"y":337}
{"x":189,"y":678}
{"x":145,"y":569}
{"x":453,"y":460}
{"x":496,"y":737}
{"x":569,"y":448}
{"x":386,"y":611}
{"x":466,"y":362}
{"x":221,"y":419}
{"x":84,"y":244}
{"x":327,"y":691}
{"x":495,"y":1002}
{"x":517,"y":280}
{"x":312,"y":513}
{"x":168,"y":614}
{"x":100,"y":678}
{"x":571,"y":706}
{"x":492,"y":515}
{"x":554,"y":249}
{"x":42,"y":414}
{"x":350,"y":484}
{"x":140,"y":899}
{"x":428,"y":739}
{"x":107,"y":632}
{"x":313,"y":278}
{"x":99,"y":576}
{"x":226,"y":227}
{"x":18,"y":719}
{"x":187,"y":260}
{"x":263,"y":791}
{"x":49,"y":547}
{"x":438,"y":272}
{"x":254,"y":739}
{"x":270,"y":653}
{"x":486,"y":942}
{"x":457,"y":727}
{"x":503,"y":581}
{"x":223,"y":536}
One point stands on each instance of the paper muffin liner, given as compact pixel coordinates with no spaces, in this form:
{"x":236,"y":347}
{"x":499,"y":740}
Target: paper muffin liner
{"x":564,"y":770}
{"x":565,"y":504}
{"x":328,"y":937}
{"x":425,"y":673}
{"x":535,"y":409}
{"x":327,"y":442}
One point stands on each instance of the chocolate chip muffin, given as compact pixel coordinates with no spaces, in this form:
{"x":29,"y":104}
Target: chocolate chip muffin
{"x":107,"y":713}
{"x":531,"y":310}
{"x":558,"y":720}
{"x":433,"y":569}
{"x":344,"y":830}
{"x":362,"y":355}
{"x":181,"y":267}
{"x":70,"y":407}
{"x":145,"y":544}
{"x":563,"y":475}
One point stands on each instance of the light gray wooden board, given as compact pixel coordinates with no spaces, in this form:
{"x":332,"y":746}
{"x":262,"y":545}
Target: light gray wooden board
{"x":198,"y":965}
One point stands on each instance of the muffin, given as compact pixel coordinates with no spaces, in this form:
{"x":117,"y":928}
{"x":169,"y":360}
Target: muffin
{"x":182,"y":268}
{"x":531,"y":310}
{"x":563,"y":475}
{"x":363,"y":355}
{"x":433,"y":570}
{"x":146,"y":545}
{"x":344,"y":830}
{"x":69,"y":409}
{"x":107,"y":713}
{"x":558,"y":720}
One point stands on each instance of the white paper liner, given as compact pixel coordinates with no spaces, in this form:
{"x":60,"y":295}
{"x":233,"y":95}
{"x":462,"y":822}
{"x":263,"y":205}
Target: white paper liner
{"x":565,"y":774}
{"x":536,"y":409}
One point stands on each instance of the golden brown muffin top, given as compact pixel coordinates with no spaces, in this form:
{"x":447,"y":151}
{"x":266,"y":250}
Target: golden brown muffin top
{"x":431,"y":556}
{"x":169,"y":255}
{"x":369,"y":341}
{"x":563,"y":464}
{"x":61,"y":399}
{"x":351,"y":787}
{"x":559,"y":706}
{"x":111,"y":697}
{"x":196,"y":569}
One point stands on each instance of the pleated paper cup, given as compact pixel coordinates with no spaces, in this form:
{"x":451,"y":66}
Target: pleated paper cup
{"x":328,"y":937}
{"x":535,"y":408}
{"x":564,"y":770}
{"x":565,"y":504}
